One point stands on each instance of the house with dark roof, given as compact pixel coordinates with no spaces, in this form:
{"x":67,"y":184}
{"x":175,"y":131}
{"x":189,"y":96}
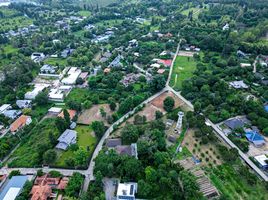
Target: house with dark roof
{"x":255,"y":138}
{"x":67,"y":138}
{"x":235,"y":123}
{"x":113,"y":142}
{"x":130,"y":150}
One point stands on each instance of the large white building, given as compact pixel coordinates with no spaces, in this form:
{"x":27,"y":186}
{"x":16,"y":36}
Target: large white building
{"x":126,"y":191}
{"x":58,"y":94}
{"x":73,"y":74}
{"x":37,"y":89}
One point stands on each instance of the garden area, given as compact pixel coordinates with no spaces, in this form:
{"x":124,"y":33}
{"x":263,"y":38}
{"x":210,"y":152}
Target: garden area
{"x":183,"y":69}
{"x":85,"y":140}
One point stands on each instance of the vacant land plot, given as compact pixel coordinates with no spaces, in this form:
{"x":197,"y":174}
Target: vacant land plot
{"x":158,"y":102}
{"x":85,"y":139}
{"x":94,"y":114}
{"x":56,"y":61}
{"x":148,"y":111}
{"x":183,"y":69}
{"x":30,"y":152}
{"x":84,"y":13}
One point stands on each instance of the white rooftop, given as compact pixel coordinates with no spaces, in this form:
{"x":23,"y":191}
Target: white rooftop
{"x":12,"y":193}
{"x":127,"y":189}
{"x":261,"y":159}
{"x":55,"y":110}
{"x":37,"y":89}
{"x":73,"y":74}
{"x":4,"y":107}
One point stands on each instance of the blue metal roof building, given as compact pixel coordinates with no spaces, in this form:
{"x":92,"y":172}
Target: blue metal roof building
{"x":13,"y":188}
{"x":255,"y":138}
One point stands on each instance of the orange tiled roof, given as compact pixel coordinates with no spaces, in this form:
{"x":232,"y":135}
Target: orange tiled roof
{"x":72,"y":114}
{"x":63,"y":183}
{"x":19,"y":123}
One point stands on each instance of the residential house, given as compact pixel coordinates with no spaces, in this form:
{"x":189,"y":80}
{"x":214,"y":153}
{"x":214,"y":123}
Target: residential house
{"x":4,"y":108}
{"x":238,"y":84}
{"x":72,"y":114}
{"x":130,"y":150}
{"x":126,"y":191}
{"x":54,"y":111}
{"x":67,"y":138}
{"x":37,"y":57}
{"x":116,"y":62}
{"x":12,"y":114}
{"x":19,"y":123}
{"x":44,"y":185}
{"x":73,"y":74}
{"x":226,"y":27}
{"x":24,"y":103}
{"x":262,"y":161}
{"x":37,"y":89}
{"x":47,"y":69}
{"x":113,"y":142}
{"x":255,"y":138}
{"x":13,"y":188}
{"x":166,"y":63}
{"x":236,"y":123}
{"x":66,"y":52}
{"x":130,"y":79}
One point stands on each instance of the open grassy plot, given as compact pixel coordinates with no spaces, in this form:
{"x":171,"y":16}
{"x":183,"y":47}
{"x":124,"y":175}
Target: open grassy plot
{"x":183,"y":69}
{"x":78,"y":94}
{"x":9,"y":49}
{"x":232,"y":185}
{"x":56,"y":61}
{"x":85,"y":139}
{"x":84,"y":13}
{"x":100,"y":3}
{"x":111,"y":22}
{"x":30,"y":152}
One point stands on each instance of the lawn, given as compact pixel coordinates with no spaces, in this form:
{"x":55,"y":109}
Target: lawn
{"x":56,"y":61}
{"x":232,"y":185}
{"x":9,"y":49}
{"x":78,"y":95}
{"x":84,"y":139}
{"x":183,"y":69}
{"x":111,"y":22}
{"x":84,"y":13}
{"x":100,"y":3}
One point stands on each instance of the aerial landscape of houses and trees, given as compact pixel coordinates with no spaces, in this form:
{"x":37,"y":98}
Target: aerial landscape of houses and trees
{"x":131,"y":99}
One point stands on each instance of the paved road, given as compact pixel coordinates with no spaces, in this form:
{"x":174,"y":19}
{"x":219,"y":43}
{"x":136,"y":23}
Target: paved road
{"x":65,"y":172}
{"x":173,"y":61}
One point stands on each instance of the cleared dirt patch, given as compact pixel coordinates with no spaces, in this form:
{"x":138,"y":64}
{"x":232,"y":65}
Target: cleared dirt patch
{"x":94,"y":114}
{"x":186,"y":53}
{"x":158,"y":102}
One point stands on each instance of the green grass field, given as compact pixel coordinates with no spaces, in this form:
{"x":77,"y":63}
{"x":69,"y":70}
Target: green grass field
{"x":84,"y":13}
{"x":100,"y":3}
{"x":55,"y":61}
{"x":111,"y":22}
{"x":183,"y":69}
{"x":233,"y":186}
{"x":84,"y":139}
